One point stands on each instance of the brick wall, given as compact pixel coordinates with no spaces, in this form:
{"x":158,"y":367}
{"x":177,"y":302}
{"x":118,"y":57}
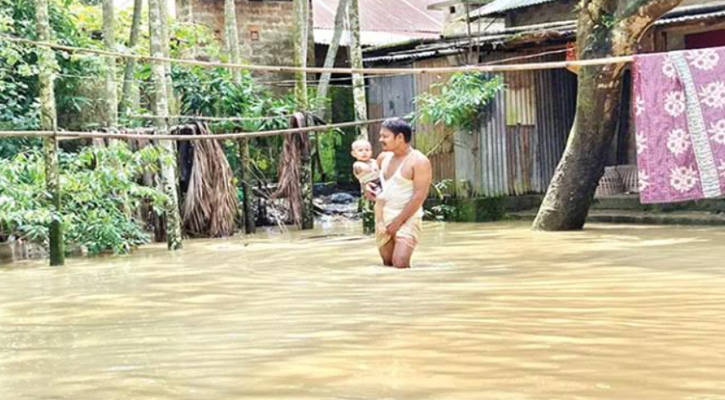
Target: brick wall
{"x":265,"y":27}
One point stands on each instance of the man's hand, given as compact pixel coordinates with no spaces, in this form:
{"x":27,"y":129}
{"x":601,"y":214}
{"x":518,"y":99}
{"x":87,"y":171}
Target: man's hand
{"x":370,"y":191}
{"x":393,"y":227}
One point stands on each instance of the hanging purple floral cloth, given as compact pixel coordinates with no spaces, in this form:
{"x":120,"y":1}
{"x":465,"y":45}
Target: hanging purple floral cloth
{"x":680,"y":120}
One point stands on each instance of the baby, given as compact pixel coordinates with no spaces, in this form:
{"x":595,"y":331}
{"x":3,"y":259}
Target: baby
{"x":367,"y":172}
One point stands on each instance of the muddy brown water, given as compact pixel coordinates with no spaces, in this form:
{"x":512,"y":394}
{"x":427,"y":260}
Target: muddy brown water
{"x":489,"y":311}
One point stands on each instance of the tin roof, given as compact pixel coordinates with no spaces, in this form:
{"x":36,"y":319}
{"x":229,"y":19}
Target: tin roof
{"x":382,"y":21}
{"x":553,"y":31}
{"x":501,"y":6}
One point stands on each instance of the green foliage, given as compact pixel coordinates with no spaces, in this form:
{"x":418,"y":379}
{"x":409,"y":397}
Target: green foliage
{"x":439,"y":210}
{"x":19,"y":72}
{"x":99,"y":189}
{"x":460,"y":101}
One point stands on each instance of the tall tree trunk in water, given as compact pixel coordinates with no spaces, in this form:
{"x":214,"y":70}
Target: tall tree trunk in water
{"x":356,"y":61}
{"x":173,"y":106}
{"x":109,"y":41}
{"x":48,"y":121}
{"x":358,"y":93}
{"x":128,"y":82}
{"x":168,"y":167}
{"x":232,"y":40}
{"x":232,"y":37}
{"x":324,"y":86}
{"x":301,"y":41}
{"x":606,"y":28}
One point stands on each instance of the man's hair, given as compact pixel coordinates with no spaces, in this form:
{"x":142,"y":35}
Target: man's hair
{"x":399,"y":127}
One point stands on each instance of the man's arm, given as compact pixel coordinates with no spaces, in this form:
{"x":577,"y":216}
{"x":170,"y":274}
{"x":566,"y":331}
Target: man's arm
{"x":369,"y":192}
{"x":422,"y":177}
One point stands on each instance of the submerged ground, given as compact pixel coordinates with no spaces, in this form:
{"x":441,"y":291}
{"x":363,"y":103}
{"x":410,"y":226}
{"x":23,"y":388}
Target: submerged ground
{"x":489,"y":311}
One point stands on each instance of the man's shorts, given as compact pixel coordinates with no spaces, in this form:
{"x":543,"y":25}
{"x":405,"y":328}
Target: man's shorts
{"x":407,"y":235}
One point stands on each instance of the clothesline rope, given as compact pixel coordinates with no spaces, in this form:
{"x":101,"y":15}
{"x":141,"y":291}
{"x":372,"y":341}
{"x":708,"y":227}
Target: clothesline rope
{"x":222,"y":136}
{"x":368,"y":71}
{"x":205,"y":118}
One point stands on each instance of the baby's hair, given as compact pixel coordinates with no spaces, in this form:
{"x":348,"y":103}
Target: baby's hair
{"x":360,"y":142}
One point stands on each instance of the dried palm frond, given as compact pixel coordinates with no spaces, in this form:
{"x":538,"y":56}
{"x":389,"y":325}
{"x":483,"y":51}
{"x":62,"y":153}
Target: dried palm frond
{"x":210,"y":199}
{"x":290,"y":165}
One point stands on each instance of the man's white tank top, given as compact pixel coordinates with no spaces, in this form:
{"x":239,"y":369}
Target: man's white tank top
{"x":397,"y":191}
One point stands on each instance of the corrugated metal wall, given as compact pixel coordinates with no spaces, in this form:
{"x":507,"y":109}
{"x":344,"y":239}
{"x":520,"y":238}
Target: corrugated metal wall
{"x":388,"y":96}
{"x":436,"y":139}
{"x":523,"y":133}
{"x":520,"y":138}
{"x":556,"y":90}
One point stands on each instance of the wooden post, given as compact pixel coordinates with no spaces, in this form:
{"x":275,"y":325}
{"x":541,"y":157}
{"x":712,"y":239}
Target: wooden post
{"x":48,"y":121}
{"x":301,"y":41}
{"x":168,"y":166}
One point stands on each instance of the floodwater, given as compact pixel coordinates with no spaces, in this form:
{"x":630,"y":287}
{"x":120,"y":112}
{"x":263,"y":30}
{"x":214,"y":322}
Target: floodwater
{"x":489,"y":311}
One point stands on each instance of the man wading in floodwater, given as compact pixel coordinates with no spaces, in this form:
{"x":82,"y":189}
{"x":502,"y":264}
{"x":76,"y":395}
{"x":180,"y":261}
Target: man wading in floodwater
{"x":405,"y":176}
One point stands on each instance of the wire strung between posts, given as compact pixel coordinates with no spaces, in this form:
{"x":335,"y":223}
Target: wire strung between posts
{"x":222,"y":136}
{"x":368,"y":71}
{"x":101,"y":78}
{"x":204,"y":118}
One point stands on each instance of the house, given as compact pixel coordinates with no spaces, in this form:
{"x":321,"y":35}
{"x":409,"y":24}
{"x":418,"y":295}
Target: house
{"x":520,"y":139}
{"x":266,"y":26}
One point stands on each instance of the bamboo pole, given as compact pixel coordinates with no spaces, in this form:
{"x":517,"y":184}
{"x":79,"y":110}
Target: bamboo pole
{"x":48,"y":120}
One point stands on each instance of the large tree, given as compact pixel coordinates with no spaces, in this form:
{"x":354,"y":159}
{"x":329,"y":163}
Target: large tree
{"x":606,"y":28}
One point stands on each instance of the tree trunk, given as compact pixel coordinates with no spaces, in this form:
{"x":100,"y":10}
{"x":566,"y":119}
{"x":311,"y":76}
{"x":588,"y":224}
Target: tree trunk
{"x":109,"y":41}
{"x":173,"y":106}
{"x":324,"y":86}
{"x":358,"y":93}
{"x":48,"y":121}
{"x":356,"y":61}
{"x":168,"y":166}
{"x":232,"y":41}
{"x":128,"y":75}
{"x":245,"y":177}
{"x":232,"y":37}
{"x":606,"y":28}
{"x":301,"y":41}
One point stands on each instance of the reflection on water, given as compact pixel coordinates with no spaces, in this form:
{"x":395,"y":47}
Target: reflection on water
{"x":489,"y":311}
